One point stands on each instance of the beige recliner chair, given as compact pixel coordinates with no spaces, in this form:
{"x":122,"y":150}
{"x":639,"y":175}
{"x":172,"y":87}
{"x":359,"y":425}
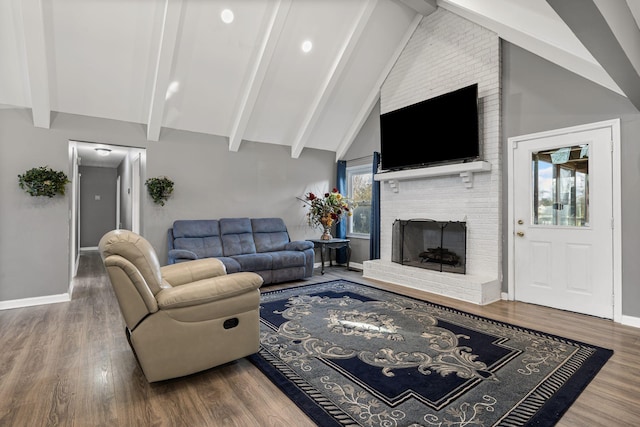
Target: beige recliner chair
{"x":181,"y":318}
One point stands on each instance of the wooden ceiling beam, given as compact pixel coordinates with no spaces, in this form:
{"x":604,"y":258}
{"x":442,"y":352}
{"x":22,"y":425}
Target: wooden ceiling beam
{"x":168,"y":38}
{"x":37,"y":67}
{"x":332,"y":78}
{"x":258,"y":72}
{"x":374,"y":94}
{"x":536,"y":43}
{"x":610,"y":33}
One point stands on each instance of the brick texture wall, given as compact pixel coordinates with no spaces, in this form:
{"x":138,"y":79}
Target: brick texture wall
{"x":445,"y":53}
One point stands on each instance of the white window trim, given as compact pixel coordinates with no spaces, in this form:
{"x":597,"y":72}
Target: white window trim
{"x":356,"y":170}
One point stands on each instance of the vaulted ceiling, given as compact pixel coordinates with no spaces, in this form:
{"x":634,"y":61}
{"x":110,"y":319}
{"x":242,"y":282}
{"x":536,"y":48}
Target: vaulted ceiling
{"x":174,"y":64}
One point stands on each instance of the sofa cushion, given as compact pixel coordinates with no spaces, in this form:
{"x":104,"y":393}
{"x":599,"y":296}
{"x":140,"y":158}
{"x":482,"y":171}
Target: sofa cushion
{"x":286,"y":259}
{"x":195,"y":228}
{"x":269,"y":234}
{"x":254,"y":262}
{"x":237,"y":237}
{"x":204,"y":247}
{"x":200,"y":236}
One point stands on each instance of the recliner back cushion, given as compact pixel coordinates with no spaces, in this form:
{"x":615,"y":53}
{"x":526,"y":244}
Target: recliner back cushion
{"x":138,"y":251}
{"x":237,"y":236}
{"x":201,"y":236}
{"x":269,"y":234}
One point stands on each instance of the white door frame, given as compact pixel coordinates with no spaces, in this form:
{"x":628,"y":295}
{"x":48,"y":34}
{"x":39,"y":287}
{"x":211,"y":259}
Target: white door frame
{"x":74,"y":226}
{"x":614,"y":125}
{"x":118,"y":202}
{"x":136,"y":182}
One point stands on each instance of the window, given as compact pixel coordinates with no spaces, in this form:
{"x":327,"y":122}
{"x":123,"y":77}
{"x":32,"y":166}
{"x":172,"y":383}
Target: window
{"x":561,"y":186}
{"x":359,"y":184}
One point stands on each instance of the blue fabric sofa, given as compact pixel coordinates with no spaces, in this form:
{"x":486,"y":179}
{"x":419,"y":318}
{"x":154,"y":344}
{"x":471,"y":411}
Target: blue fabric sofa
{"x":260,"y":245}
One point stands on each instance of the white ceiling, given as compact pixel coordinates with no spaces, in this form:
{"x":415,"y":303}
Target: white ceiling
{"x":175,"y":64}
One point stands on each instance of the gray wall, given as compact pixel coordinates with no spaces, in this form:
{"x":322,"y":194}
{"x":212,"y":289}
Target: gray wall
{"x":210,"y":182}
{"x":96,"y":216}
{"x":34,"y":231}
{"x":538,"y":96}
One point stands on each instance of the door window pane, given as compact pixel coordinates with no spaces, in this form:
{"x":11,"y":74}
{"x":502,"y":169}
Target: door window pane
{"x":561,"y":186}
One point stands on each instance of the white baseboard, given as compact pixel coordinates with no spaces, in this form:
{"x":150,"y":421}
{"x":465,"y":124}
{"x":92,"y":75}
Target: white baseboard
{"x":630,"y":321}
{"x":352,"y":265}
{"x":356,"y":266}
{"x":29,"y":302}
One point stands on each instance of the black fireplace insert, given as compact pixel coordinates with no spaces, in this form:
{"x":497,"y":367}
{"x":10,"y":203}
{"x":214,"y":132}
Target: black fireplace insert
{"x":434,"y":245}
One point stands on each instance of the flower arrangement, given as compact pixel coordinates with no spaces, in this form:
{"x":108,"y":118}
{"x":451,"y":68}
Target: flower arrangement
{"x":159,"y":189}
{"x":328,"y":210}
{"x":43,"y":181}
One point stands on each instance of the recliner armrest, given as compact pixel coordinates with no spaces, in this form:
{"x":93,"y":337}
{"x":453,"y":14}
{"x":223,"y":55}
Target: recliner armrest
{"x":192,"y":271}
{"x":208,"y":290}
{"x":299,"y":245}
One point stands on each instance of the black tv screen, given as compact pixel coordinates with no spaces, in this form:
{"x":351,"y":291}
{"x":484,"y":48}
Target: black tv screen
{"x":439,"y":130}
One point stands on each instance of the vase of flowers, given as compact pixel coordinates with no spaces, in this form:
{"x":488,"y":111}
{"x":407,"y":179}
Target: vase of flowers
{"x":324,"y":211}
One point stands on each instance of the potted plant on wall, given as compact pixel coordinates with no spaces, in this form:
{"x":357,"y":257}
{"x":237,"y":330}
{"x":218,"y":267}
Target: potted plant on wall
{"x":159,"y":188}
{"x":43,"y":181}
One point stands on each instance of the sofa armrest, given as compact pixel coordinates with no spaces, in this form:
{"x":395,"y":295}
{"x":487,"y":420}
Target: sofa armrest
{"x":176,"y":254}
{"x":299,"y":245}
{"x":208,"y":290}
{"x":192,"y":271}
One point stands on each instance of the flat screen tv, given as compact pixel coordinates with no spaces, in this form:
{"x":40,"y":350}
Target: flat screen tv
{"x":439,"y":130}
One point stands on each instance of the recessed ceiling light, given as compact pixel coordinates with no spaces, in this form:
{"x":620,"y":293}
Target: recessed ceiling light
{"x":307,"y":46}
{"x":172,"y":89}
{"x":103,"y":151}
{"x":227,"y":16}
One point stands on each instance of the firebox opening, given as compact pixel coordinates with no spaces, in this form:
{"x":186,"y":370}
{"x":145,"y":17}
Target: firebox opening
{"x":434,"y":245}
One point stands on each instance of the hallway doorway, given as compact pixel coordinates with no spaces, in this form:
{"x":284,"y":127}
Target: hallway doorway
{"x":105,"y":184}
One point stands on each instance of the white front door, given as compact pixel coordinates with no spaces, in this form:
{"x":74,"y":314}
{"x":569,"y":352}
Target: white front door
{"x":562,"y":213}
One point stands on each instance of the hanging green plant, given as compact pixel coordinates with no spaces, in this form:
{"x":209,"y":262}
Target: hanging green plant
{"x":159,"y":189}
{"x":43,"y":181}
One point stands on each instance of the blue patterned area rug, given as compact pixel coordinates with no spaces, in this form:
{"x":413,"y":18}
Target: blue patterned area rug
{"x":352,"y":355}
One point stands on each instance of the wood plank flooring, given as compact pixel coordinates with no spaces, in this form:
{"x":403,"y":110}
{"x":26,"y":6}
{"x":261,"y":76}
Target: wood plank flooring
{"x":69,"y":364}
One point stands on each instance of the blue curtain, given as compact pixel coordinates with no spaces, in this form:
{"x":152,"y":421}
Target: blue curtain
{"x":341,"y":227}
{"x":374,"y":238}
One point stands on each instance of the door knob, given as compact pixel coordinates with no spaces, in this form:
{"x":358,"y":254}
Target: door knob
{"x":520,"y":234}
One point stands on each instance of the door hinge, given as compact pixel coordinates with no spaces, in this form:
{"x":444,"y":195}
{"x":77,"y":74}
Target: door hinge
{"x":612,"y":224}
{"x":611,"y":145}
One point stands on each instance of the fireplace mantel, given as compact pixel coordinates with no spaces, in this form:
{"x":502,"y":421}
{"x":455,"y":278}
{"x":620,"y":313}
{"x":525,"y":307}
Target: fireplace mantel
{"x":465,"y":170}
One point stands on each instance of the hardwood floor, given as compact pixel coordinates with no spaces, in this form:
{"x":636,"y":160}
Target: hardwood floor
{"x":69,"y":364}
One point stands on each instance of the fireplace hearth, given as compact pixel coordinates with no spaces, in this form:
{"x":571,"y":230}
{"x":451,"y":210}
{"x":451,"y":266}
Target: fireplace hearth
{"x":429,"y":244}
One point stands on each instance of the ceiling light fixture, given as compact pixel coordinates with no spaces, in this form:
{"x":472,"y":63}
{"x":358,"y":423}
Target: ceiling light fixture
{"x":307,"y":46}
{"x":172,"y":89}
{"x":103,"y":151}
{"x":227,"y":16}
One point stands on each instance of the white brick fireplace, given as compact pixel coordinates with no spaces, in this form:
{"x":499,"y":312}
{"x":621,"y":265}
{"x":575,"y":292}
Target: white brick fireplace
{"x":445,"y":53}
